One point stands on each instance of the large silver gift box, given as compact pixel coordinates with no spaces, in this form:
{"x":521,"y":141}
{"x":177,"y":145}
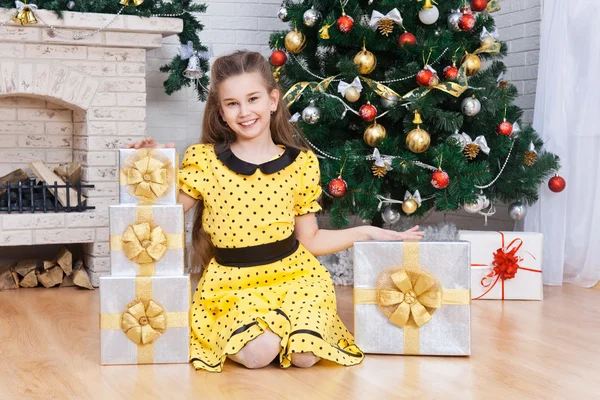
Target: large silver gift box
{"x":146,"y":240}
{"x":412,"y":297}
{"x":144,"y":320}
{"x":148,"y":176}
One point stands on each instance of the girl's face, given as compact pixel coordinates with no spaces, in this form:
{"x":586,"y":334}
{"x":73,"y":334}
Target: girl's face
{"x":246,"y":105}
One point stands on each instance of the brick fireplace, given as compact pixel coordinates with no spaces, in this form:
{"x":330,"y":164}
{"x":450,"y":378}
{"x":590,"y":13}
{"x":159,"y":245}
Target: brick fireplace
{"x":65,"y":100}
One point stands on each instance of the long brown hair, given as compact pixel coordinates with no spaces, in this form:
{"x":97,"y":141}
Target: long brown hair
{"x":215,"y":131}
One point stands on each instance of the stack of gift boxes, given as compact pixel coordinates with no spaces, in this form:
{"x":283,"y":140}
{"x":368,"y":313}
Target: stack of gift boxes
{"x":144,"y":303}
{"x":414,"y":298}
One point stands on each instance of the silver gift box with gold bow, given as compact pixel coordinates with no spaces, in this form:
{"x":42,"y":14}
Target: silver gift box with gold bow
{"x":412,"y":297}
{"x":144,"y":320}
{"x":146,"y":240}
{"x":148,"y":176}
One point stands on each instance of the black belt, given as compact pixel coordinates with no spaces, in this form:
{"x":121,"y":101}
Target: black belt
{"x":256,"y":255}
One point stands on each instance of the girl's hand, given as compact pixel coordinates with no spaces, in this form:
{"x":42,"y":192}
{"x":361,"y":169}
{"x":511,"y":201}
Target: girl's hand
{"x":149,"y":143}
{"x":385,"y":234}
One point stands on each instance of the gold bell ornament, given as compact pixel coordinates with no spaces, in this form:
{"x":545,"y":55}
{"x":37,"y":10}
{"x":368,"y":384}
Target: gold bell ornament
{"x":135,"y":2}
{"x":418,"y":140}
{"x":25,"y":13}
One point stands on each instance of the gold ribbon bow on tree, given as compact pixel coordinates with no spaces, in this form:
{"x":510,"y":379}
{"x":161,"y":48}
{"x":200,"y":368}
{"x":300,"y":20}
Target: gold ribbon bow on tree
{"x":385,"y":23}
{"x":135,"y":2}
{"x":143,"y":324}
{"x":143,"y":244}
{"x":149,"y":175}
{"x":408,"y":294}
{"x":492,"y":6}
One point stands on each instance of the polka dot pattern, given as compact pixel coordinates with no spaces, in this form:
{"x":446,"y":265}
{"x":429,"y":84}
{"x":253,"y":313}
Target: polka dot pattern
{"x":293,"y":297}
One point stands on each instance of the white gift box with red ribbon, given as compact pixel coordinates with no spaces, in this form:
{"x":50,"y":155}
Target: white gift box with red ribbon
{"x":505,"y":265}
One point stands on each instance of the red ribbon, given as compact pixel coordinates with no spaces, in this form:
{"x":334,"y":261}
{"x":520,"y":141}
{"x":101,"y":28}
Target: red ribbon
{"x":505,"y":265}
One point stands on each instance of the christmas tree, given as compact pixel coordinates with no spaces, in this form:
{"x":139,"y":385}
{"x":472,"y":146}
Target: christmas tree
{"x":392,"y":95}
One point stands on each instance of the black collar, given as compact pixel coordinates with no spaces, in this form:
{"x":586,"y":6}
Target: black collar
{"x":231,"y":161}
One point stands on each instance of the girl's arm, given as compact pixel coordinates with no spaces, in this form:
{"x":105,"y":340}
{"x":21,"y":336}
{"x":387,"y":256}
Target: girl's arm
{"x":187,"y":201}
{"x":321,"y":241}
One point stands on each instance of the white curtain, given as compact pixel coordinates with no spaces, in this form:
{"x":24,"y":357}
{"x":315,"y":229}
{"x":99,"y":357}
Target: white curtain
{"x":567,"y":115}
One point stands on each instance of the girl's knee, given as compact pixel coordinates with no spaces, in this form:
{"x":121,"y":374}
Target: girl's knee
{"x":260,"y":352}
{"x":304,"y":360}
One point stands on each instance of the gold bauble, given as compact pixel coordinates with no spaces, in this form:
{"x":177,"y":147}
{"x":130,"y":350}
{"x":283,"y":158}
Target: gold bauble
{"x":418,"y":140}
{"x":409,"y":206}
{"x":472,"y":64}
{"x":365,"y":61}
{"x":374,"y":134}
{"x":295,"y":41}
{"x":352,"y":95}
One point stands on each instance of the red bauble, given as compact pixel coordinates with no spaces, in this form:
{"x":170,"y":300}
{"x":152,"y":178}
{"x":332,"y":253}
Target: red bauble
{"x":407,"y":38}
{"x":345,"y":23}
{"x":478,"y":5}
{"x":440,"y":179}
{"x":451,"y":72}
{"x":504,"y":128}
{"x":425,"y":77}
{"x":368,"y":112}
{"x":557,"y":184}
{"x":278,"y":58}
{"x":466,"y":22}
{"x":337,"y":187}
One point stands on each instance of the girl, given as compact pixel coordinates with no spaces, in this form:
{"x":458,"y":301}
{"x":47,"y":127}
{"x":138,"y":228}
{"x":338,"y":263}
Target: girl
{"x":262,"y":293}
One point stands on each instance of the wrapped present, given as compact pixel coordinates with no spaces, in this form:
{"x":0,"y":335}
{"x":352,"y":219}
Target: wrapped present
{"x":146,"y":240}
{"x":505,"y":265}
{"x":412,"y":297}
{"x":148,"y":176}
{"x":144,"y":320}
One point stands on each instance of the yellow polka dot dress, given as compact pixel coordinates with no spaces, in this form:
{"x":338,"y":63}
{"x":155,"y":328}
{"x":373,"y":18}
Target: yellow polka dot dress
{"x":261,"y":277}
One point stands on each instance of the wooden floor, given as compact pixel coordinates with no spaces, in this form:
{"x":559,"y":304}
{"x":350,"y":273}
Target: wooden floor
{"x":49,"y":349}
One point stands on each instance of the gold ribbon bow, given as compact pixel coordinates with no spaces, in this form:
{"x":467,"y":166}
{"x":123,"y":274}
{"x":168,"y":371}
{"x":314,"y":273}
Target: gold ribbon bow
{"x":404,"y":293}
{"x":149,"y":175}
{"x":135,"y":2}
{"x":143,"y":324}
{"x":456,"y":89}
{"x":143,"y":244}
{"x":492,"y":6}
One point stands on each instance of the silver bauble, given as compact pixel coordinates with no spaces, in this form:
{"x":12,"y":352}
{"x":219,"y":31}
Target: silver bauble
{"x":282,"y":14}
{"x":390,"y":214}
{"x":473,"y":208}
{"x":460,"y":139}
{"x":71,"y":5}
{"x":311,"y":17}
{"x":470,"y":106}
{"x":311,"y":114}
{"x":453,"y":20}
{"x":484,"y":201}
{"x":390,"y":101}
{"x":517,"y":210}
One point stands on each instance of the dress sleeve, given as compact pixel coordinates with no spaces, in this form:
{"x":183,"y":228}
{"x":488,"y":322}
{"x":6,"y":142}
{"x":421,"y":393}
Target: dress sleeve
{"x":309,"y":190}
{"x":191,"y":174}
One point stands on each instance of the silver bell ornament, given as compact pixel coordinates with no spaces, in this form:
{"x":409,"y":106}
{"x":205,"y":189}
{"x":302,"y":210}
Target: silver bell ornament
{"x":485,"y":202}
{"x":390,"y":101}
{"x":453,"y":20}
{"x":192,"y":70}
{"x":473,"y":208}
{"x":311,"y":17}
{"x":311,"y":114}
{"x":470,"y":106}
{"x":390,"y":214}
{"x":282,"y":14}
{"x":517,"y":210}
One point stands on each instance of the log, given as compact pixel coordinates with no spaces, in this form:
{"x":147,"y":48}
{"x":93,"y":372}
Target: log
{"x":64,"y":258}
{"x":24,"y":267}
{"x":30,"y":280}
{"x":81,"y":277}
{"x":7,"y":279}
{"x":49,"y":264}
{"x":14,"y":178}
{"x":52,"y":277}
{"x":45,"y":174}
{"x":67,"y":281}
{"x":69,"y":172}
